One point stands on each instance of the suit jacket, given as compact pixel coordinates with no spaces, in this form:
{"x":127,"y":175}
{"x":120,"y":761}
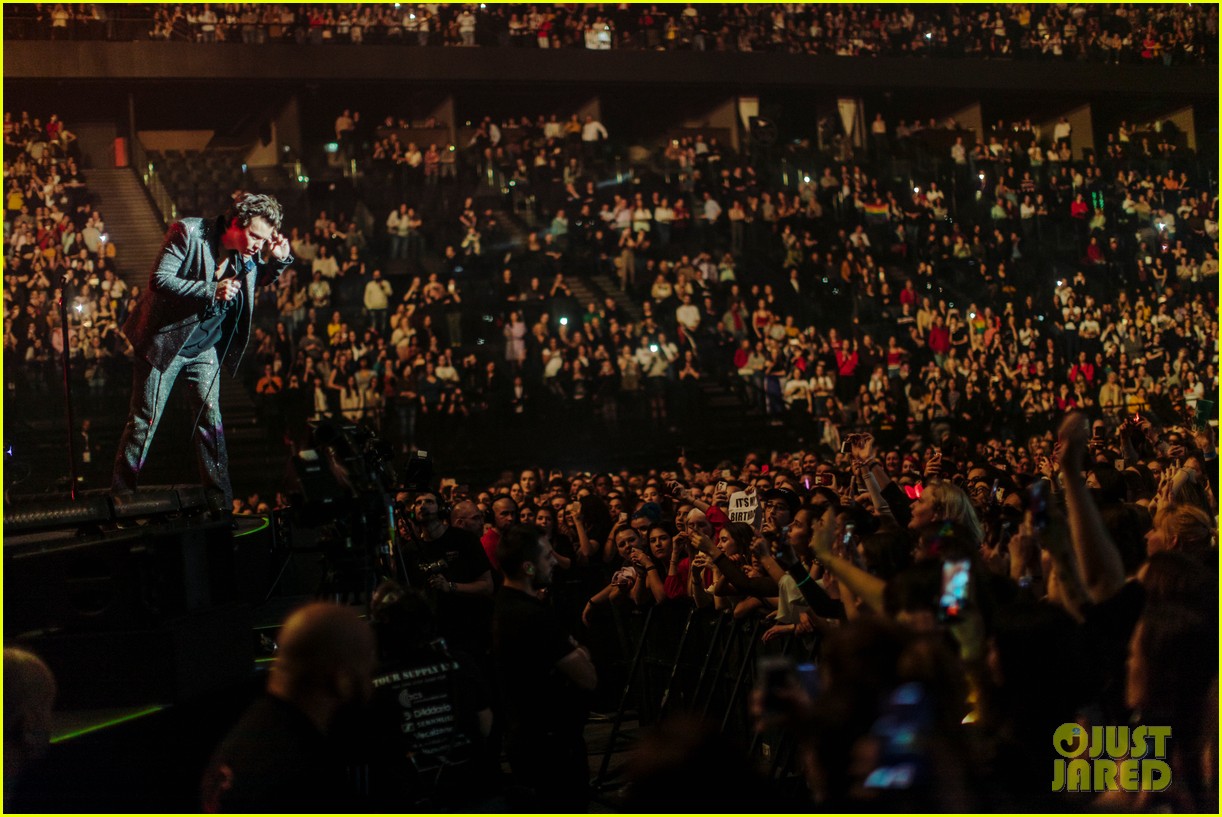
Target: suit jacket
{"x":182,"y":286}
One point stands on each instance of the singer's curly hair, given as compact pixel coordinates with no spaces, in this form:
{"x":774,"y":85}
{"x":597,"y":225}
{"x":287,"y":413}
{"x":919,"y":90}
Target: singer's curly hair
{"x":248,"y":206}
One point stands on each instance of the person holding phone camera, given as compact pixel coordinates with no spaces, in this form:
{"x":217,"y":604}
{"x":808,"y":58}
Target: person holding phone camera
{"x":452,"y":565}
{"x":625,"y":547}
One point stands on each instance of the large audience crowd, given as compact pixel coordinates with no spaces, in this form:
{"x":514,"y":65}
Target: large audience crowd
{"x":1166,"y":33}
{"x":1008,"y":370}
{"x":966,"y":601}
{"x":1088,"y":547}
{"x":54,"y":238}
{"x":1026,"y":283}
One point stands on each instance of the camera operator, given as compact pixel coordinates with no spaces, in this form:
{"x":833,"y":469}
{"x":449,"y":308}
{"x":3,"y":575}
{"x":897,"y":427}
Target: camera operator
{"x":451,"y":566}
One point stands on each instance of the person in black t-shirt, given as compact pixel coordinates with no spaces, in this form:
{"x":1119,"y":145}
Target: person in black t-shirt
{"x":430,"y":717}
{"x":543,"y":676}
{"x":451,"y":566}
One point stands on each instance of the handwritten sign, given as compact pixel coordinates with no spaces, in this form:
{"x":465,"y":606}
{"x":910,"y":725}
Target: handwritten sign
{"x":744,"y":507}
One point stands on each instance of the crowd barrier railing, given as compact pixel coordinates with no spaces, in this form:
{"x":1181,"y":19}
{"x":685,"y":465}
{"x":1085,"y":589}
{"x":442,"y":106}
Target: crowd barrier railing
{"x":680,"y":658}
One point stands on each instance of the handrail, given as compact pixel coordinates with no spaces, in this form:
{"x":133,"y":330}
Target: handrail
{"x":150,"y":176}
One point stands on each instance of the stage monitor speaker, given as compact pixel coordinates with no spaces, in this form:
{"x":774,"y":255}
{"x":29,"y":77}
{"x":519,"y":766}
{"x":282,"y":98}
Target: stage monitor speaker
{"x":146,"y":502}
{"x":50,"y":514}
{"x":129,"y":579}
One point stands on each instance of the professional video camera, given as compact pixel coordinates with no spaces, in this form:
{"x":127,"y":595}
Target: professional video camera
{"x":343,"y":499}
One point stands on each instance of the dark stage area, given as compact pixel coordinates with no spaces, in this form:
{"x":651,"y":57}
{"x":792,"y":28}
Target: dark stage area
{"x":158,"y":621}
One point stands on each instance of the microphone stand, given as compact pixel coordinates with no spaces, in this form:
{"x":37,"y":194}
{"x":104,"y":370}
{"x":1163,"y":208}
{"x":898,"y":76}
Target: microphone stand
{"x":67,"y":366}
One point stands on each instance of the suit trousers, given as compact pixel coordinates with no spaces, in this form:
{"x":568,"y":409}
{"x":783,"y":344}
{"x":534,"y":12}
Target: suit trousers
{"x":150,"y":396}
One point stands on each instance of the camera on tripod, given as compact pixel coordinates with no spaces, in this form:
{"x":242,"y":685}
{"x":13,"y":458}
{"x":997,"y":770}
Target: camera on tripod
{"x":343,"y":504}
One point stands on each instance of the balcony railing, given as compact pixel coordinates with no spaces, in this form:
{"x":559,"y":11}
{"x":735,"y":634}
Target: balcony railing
{"x":149,"y":173}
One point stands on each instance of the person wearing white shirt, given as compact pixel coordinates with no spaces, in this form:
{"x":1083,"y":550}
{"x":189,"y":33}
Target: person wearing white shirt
{"x":445,"y":370}
{"x":377,"y":301}
{"x":319,"y":291}
{"x":796,"y":390}
{"x":396,"y":230}
{"x":343,"y":124}
{"x":711,"y":211}
{"x":466,"y":27}
{"x":688,"y":315}
{"x":1026,"y":210}
{"x":641,"y":218}
{"x":553,"y":362}
{"x":322,"y":408}
{"x":878,"y":134}
{"x":1194,"y":390}
{"x":958,"y":152}
{"x":1061,"y":130}
{"x":592,"y":131}
{"x":663,"y":217}
{"x":413,"y":157}
{"x":623,"y":216}
{"x":657,"y":364}
{"x":325,"y":263}
{"x":207,"y":25}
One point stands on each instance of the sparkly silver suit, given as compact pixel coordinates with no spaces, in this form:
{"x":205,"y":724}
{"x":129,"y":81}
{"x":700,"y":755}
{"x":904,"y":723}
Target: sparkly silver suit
{"x":181,"y":289}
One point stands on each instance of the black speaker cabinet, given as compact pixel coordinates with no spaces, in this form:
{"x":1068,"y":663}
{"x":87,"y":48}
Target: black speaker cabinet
{"x":131,"y":579}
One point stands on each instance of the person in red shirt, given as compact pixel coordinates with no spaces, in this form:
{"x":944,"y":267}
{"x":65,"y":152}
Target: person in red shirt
{"x":1094,"y":252}
{"x":742,"y":354}
{"x":908,"y":295}
{"x":939,"y":339}
{"x":846,"y":359}
{"x":1083,"y":369}
{"x":1078,"y":208}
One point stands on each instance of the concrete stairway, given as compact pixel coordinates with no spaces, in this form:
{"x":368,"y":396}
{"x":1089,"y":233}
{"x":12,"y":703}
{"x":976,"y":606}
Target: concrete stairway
{"x":607,"y":286}
{"x":586,"y":287}
{"x":132,"y":223}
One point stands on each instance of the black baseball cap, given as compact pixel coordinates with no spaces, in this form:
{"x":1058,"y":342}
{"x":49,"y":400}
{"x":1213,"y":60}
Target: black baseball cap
{"x":791,"y":499}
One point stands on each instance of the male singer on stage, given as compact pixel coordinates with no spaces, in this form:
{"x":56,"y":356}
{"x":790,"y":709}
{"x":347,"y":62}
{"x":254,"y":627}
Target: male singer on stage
{"x":194,"y":315}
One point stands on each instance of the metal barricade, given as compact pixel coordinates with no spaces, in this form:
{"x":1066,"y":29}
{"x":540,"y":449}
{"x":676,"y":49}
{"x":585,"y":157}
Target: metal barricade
{"x":679,"y":658}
